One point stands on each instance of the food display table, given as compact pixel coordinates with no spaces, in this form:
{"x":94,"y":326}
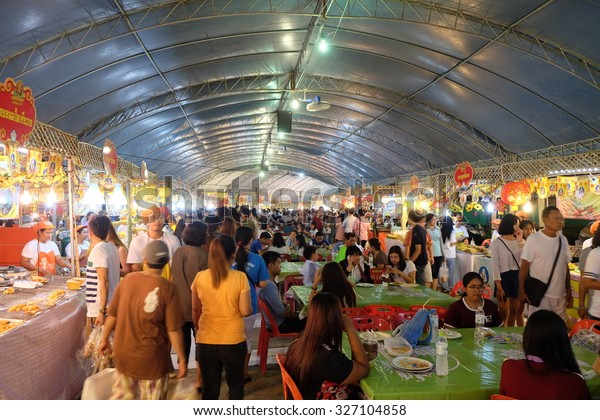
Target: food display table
{"x":382,"y":294}
{"x":474,"y":369}
{"x":39,"y":358}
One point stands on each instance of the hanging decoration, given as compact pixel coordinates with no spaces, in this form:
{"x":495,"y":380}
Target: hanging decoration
{"x":463,"y":175}
{"x":109,"y":157}
{"x":515,"y":193}
{"x":17,"y":112}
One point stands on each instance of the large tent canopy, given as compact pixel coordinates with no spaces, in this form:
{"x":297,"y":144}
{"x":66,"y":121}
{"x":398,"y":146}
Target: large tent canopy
{"x":194,"y":87}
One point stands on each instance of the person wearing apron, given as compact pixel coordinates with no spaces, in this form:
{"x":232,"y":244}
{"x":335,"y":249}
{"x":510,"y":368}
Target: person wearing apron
{"x":42,"y":254}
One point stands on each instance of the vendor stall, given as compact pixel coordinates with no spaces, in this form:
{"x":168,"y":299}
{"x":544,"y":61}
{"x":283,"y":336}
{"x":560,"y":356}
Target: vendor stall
{"x":41,"y":334}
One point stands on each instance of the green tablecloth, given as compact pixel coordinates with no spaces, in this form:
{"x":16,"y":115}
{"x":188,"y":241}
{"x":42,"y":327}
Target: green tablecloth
{"x":474,"y":369}
{"x":381,"y":294}
{"x":288,"y":268}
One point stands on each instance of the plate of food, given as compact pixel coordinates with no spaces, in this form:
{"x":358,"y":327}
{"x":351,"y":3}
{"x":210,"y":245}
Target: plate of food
{"x":39,"y":279}
{"x":374,"y":335}
{"x":409,"y":285}
{"x":365,"y":284}
{"x":411,"y":364}
{"x":452,"y":335}
{"x":26,"y":284}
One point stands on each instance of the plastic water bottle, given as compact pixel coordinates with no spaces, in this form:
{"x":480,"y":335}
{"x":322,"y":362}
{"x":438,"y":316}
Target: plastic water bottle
{"x":435,"y":323}
{"x":441,"y":354}
{"x":371,"y":260}
{"x":479,"y":324}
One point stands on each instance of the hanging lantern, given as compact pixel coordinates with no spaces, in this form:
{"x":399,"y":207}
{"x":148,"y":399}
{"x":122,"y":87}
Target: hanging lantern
{"x":516,"y":193}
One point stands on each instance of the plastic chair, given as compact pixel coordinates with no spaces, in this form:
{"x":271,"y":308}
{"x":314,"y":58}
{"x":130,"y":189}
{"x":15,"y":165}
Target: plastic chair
{"x":486,"y":243}
{"x":440,"y":310}
{"x":383,"y":311}
{"x":285,"y":257}
{"x":352,"y":312}
{"x":370,"y":322}
{"x":376,"y":274}
{"x":487,"y":292}
{"x":458,"y":288}
{"x":400,"y":317}
{"x":585,"y":324}
{"x":500,"y":397}
{"x":267,"y":333}
{"x":289,"y":386}
{"x":289,"y":281}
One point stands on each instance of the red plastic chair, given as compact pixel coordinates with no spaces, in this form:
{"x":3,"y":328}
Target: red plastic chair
{"x":400,"y":317}
{"x":487,"y":292}
{"x":370,"y":322}
{"x":500,"y":397}
{"x":458,"y":288}
{"x":383,"y":311}
{"x":585,"y":324}
{"x":285,"y":257}
{"x":289,"y":281}
{"x":289,"y":386}
{"x":352,"y":312}
{"x":486,"y":243}
{"x":267,"y":333}
{"x":441,"y":312}
{"x":376,"y":274}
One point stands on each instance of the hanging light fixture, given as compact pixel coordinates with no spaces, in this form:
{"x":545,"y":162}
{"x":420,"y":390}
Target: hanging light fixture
{"x":51,"y":198}
{"x":26,"y":198}
{"x":93,"y":196}
{"x":527,"y":208}
{"x":117,"y":199}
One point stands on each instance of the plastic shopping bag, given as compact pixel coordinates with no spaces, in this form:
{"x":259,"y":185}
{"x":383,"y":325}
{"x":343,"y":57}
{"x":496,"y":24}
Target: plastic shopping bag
{"x":99,"y":386}
{"x":444,"y":273}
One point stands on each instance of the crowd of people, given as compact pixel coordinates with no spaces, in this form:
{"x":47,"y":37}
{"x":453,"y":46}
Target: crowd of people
{"x":202,"y":281}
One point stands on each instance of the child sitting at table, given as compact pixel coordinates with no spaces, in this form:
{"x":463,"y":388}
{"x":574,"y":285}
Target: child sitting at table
{"x":310,"y":266}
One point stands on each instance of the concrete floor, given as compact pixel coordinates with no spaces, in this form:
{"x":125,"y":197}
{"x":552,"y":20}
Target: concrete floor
{"x":262,"y":387}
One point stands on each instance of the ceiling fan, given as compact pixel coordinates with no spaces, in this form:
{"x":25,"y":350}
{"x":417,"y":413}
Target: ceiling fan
{"x":312,"y":104}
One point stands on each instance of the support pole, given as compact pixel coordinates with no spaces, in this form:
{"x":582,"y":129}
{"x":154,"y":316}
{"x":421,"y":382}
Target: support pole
{"x":71,"y":185}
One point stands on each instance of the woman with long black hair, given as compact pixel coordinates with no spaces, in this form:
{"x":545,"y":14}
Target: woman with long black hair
{"x":220,"y":298}
{"x":256,"y":270}
{"x":316,"y":357}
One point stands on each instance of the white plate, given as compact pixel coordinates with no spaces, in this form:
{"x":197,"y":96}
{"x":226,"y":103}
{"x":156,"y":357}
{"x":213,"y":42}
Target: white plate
{"x":374,"y":335}
{"x":26,"y":284}
{"x":365,"y":284}
{"x":409,"y":285}
{"x":411,"y":364}
{"x":452,"y":335}
{"x":403,"y":352}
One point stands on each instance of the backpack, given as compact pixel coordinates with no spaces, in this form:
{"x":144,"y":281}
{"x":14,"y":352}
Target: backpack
{"x":417,"y":331}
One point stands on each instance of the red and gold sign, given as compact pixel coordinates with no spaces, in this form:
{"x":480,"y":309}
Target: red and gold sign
{"x":414,"y":182}
{"x":17,"y":112}
{"x":109,"y":157}
{"x":516,"y":193}
{"x":463,"y":175}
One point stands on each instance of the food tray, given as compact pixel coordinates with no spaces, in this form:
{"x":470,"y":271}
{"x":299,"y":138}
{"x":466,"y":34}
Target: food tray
{"x":8,"y":324}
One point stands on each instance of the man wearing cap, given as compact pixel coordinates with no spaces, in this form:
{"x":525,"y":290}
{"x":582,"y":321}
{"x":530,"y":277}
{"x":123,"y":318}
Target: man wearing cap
{"x":42,"y":254}
{"x":461,"y":230}
{"x":154,"y":222}
{"x":262,"y":243}
{"x":151,"y":303}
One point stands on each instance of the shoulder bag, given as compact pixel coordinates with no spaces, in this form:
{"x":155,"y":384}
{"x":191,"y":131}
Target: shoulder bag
{"x":535,"y":288}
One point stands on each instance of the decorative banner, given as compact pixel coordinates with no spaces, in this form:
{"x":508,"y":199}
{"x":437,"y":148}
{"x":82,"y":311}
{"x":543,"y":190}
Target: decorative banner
{"x":55,"y":164}
{"x":542,"y":191}
{"x":109,"y":157}
{"x":587,"y":208}
{"x":9,"y":203}
{"x":17,"y":112}
{"x":552,"y":188}
{"x":594,"y":185}
{"x":583,"y":188}
{"x":414,"y":182}
{"x":463,"y":175}
{"x":34,"y":160}
{"x":143,"y":171}
{"x":14,"y":164}
{"x":515,"y":193}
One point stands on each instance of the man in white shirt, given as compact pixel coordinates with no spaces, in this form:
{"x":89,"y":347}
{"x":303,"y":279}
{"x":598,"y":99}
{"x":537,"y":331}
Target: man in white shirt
{"x":42,"y":254}
{"x":537,"y":259}
{"x":349,"y":221}
{"x":590,"y":283}
{"x":461,"y":230}
{"x":154,"y":222}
